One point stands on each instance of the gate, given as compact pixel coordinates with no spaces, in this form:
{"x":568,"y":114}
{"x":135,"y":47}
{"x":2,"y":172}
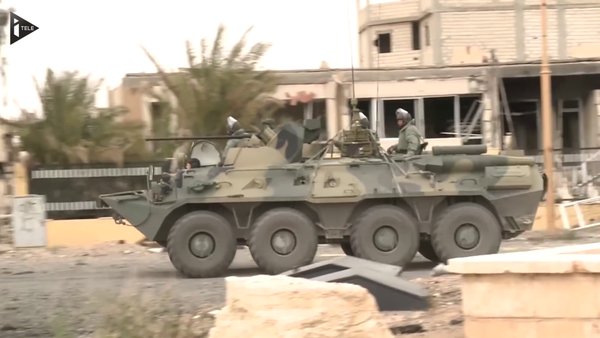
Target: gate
{"x":72,"y":192}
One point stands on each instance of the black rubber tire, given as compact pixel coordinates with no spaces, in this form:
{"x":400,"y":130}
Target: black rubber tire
{"x":447,"y":223}
{"x":426,"y":250}
{"x":370,"y":220}
{"x":259,"y":241}
{"x":347,"y":248}
{"x":193,"y":266}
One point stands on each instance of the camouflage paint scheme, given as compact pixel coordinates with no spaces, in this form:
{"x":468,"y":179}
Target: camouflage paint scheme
{"x":419,"y":203}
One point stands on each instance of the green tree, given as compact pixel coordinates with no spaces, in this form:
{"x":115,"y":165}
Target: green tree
{"x":218,"y":84}
{"x":72,"y":130}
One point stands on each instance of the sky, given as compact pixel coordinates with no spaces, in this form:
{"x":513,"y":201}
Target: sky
{"x":103,"y":38}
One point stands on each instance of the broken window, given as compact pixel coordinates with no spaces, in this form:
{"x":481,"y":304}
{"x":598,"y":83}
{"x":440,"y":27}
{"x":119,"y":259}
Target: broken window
{"x":469,"y":107}
{"x":570,"y":125}
{"x":524,"y":115}
{"x":384,"y":42}
{"x":439,"y":117}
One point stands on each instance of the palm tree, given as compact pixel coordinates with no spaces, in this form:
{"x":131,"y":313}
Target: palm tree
{"x":72,"y":129}
{"x":219,"y":84}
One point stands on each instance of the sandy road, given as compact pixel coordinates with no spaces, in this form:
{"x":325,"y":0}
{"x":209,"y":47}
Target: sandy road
{"x":40,"y":288}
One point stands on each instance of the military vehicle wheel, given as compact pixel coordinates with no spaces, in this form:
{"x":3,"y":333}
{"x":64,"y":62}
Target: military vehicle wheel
{"x":347,"y":248}
{"x":283,"y":239}
{"x":465,"y":229}
{"x":426,"y":250}
{"x":386,"y":234}
{"x":201,"y":244}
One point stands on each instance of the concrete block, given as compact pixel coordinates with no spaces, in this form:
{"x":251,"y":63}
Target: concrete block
{"x":542,"y":293}
{"x":282,"y":306}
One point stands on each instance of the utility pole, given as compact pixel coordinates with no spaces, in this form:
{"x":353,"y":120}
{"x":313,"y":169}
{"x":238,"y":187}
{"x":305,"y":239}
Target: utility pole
{"x":547,"y":125}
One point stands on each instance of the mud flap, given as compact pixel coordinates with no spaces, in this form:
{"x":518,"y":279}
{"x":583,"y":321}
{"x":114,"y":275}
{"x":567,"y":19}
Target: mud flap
{"x":391,"y":292}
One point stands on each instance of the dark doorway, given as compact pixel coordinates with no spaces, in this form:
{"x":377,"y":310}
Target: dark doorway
{"x":524,"y":115}
{"x":570,"y":131}
{"x":439,"y":117}
{"x":570,"y":126}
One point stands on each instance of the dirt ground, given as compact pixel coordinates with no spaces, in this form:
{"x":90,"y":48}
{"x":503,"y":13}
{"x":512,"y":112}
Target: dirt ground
{"x":126,"y":288}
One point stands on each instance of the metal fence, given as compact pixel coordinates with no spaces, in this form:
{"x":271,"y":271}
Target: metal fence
{"x":73,"y":192}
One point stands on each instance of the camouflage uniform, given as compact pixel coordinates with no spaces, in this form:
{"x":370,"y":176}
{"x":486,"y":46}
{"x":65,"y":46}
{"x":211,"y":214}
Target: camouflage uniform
{"x":409,"y":138}
{"x":233,"y":129}
{"x":234,"y":142}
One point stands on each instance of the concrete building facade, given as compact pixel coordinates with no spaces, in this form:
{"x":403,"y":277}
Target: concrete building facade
{"x":452,"y":32}
{"x":450,"y":39}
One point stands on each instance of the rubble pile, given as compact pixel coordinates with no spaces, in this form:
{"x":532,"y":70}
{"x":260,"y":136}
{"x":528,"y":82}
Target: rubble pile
{"x":281,"y":306}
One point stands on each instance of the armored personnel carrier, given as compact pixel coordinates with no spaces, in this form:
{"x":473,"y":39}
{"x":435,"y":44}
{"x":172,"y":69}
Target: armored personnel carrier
{"x":290,"y":193}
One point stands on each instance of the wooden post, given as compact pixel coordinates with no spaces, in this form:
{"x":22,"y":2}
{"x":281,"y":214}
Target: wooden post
{"x":20,"y":178}
{"x":547,"y":127}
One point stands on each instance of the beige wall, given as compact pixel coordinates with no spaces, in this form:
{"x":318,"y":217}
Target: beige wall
{"x":401,"y":53}
{"x":391,"y":10}
{"x":412,"y":88}
{"x":319,"y":90}
{"x":468,"y":3}
{"x":130,"y":98}
{"x":583,"y":32}
{"x":483,"y":30}
{"x":427,"y":25}
{"x":469,"y":29}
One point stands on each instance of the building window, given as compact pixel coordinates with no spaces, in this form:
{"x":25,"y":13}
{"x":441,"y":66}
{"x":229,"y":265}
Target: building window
{"x":427,"y":41}
{"x":383,"y":43}
{"x":416,"y":36}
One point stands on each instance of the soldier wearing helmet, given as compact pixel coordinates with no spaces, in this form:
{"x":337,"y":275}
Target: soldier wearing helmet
{"x":233,"y":129}
{"x":364,"y":122}
{"x":409,"y":138}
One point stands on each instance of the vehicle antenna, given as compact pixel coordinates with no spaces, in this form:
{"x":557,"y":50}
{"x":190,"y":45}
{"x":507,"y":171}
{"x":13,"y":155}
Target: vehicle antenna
{"x":353,"y":101}
{"x":376,"y":117}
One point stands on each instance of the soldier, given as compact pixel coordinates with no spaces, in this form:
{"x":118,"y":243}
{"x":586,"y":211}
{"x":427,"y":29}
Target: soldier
{"x":233,"y":129}
{"x":192,"y":163}
{"x":364,"y":122}
{"x":409,"y":138}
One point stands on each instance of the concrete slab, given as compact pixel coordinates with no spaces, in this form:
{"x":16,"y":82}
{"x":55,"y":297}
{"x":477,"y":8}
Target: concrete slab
{"x":340,"y":264}
{"x":391,"y":292}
